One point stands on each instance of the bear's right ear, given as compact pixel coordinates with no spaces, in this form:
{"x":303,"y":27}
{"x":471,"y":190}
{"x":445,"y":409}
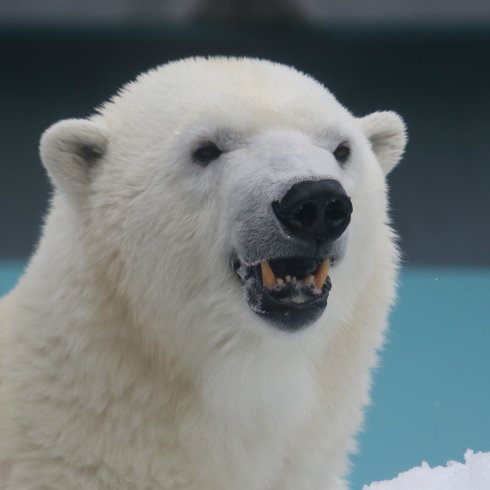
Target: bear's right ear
{"x":70,"y":149}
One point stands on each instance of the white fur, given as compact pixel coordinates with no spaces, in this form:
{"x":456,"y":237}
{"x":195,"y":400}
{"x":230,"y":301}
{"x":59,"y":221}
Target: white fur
{"x":129,"y":357}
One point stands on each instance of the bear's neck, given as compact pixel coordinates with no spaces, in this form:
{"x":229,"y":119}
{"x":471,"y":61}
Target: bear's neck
{"x":77,"y":305}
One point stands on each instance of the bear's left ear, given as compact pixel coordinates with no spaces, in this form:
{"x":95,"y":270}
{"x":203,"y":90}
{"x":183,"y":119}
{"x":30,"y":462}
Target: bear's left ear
{"x":70,"y":149}
{"x":387,"y":134}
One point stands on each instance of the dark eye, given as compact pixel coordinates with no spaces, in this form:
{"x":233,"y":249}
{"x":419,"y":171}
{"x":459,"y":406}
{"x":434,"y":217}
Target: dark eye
{"x":342,"y":153}
{"x":206,"y":153}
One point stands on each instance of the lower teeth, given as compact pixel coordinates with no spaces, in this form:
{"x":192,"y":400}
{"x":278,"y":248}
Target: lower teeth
{"x":296,"y":289}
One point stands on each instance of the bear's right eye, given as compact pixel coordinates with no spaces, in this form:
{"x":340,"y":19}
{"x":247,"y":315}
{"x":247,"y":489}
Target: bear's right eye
{"x":206,"y":153}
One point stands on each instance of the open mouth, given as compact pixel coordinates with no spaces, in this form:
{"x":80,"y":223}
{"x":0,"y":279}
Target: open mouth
{"x":290,"y":293}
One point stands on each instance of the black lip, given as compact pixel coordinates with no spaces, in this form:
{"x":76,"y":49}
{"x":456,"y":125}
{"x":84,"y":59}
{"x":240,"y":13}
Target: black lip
{"x":279,"y":310}
{"x":290,"y":316}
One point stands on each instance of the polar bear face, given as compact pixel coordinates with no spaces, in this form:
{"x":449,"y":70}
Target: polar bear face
{"x":223,"y":196}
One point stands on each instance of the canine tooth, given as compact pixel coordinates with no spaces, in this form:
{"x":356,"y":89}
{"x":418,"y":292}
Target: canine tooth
{"x":309,"y":279}
{"x":279,"y":282}
{"x":322,"y":273}
{"x":268,"y":277}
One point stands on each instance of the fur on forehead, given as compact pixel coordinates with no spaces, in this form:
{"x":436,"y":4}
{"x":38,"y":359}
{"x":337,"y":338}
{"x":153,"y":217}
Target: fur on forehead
{"x":250,"y":92}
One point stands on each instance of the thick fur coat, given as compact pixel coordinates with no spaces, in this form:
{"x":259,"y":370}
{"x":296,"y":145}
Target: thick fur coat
{"x":129,"y":357}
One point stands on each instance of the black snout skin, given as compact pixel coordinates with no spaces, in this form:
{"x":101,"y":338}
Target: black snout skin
{"x":315,"y":209}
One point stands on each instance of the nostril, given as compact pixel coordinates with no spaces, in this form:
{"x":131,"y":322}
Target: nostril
{"x":336,"y":210}
{"x":304,"y":215}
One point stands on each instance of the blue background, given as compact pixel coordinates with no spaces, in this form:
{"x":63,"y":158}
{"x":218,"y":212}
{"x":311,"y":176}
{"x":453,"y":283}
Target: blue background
{"x":431,"y":397}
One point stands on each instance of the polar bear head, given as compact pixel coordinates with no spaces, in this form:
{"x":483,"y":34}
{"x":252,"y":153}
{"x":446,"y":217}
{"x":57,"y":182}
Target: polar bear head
{"x":222,"y":196}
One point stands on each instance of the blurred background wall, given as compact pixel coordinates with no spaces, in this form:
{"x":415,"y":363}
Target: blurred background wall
{"x":429,"y":60}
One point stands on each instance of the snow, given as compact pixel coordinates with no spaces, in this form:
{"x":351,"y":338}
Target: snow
{"x":474,"y":474}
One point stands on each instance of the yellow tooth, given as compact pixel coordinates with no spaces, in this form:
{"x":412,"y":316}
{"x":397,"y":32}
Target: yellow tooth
{"x":268,"y":277}
{"x":321,"y":273}
{"x":309,"y":279}
{"x":279,"y":282}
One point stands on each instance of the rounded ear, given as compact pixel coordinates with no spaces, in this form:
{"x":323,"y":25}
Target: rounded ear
{"x":387,"y":134}
{"x":70,"y":149}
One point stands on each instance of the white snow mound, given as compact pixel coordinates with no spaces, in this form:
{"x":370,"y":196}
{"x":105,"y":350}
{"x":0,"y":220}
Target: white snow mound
{"x":474,"y":474}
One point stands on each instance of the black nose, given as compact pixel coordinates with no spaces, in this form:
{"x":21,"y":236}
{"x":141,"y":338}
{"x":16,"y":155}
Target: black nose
{"x":318,"y":210}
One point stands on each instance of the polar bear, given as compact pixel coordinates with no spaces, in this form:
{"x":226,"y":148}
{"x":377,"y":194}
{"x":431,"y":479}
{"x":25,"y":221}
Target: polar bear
{"x":210,"y":290}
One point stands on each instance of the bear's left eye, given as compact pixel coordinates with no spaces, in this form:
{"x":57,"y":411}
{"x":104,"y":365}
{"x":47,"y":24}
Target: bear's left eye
{"x":206,"y":153}
{"x":342,"y":153}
